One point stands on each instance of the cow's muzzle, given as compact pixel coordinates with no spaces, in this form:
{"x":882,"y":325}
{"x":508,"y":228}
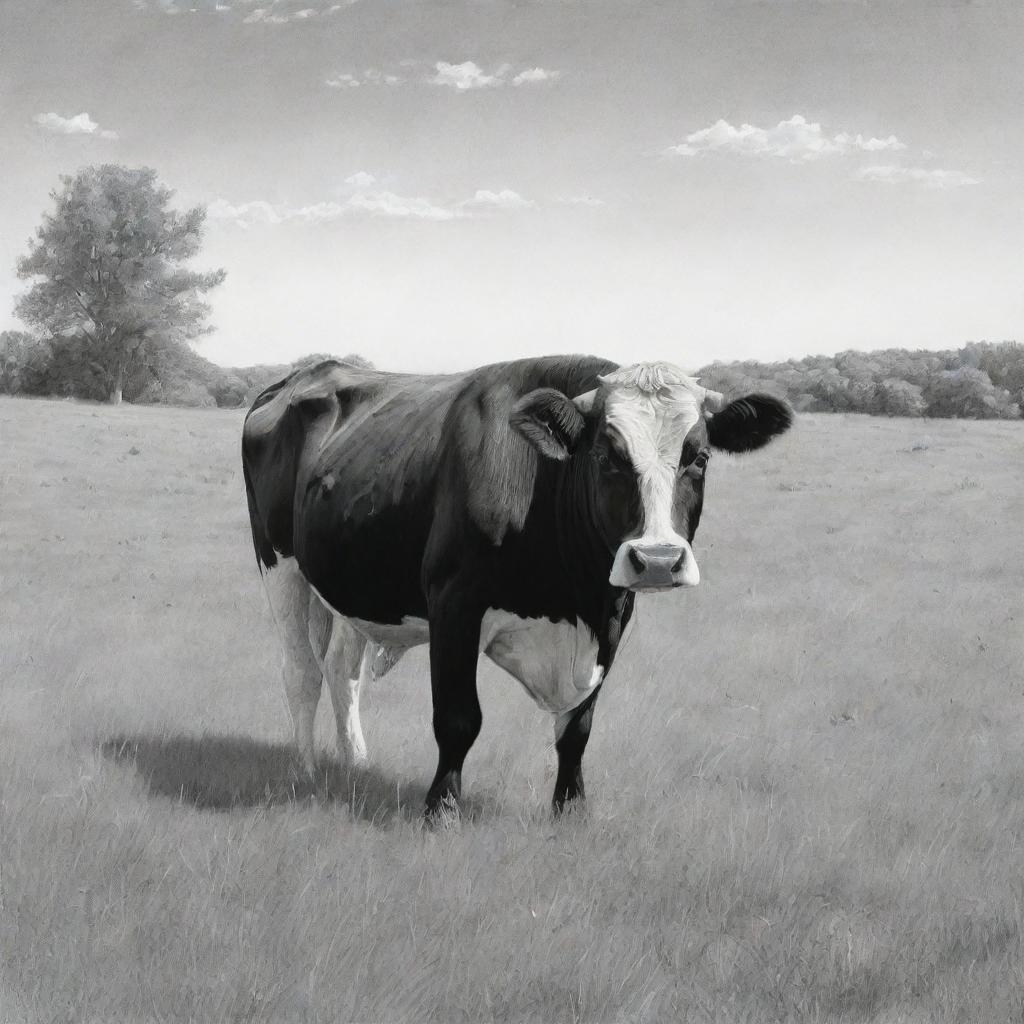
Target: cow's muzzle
{"x":648,"y":567}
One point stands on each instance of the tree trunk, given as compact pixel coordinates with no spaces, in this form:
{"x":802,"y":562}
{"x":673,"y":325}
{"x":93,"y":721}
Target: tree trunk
{"x":115,"y":393}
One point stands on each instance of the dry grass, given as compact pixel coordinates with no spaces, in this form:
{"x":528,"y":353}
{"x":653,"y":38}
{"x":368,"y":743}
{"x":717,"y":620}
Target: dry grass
{"x":806,"y":777}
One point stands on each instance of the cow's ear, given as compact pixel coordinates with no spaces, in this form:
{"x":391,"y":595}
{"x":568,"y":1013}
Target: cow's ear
{"x":549,"y":421}
{"x":749,"y":423}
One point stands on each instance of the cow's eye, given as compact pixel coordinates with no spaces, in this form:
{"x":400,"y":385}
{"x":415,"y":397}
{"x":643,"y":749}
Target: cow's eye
{"x":612,"y":454}
{"x":697,"y":468}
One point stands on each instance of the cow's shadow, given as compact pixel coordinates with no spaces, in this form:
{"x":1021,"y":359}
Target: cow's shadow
{"x":223,"y":772}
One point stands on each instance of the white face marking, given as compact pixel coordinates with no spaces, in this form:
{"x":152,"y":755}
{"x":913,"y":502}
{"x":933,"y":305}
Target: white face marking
{"x":652,"y":427}
{"x":649,"y":410}
{"x":555,"y":661}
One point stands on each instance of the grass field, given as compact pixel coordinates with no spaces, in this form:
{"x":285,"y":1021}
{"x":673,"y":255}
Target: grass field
{"x":806,"y":777}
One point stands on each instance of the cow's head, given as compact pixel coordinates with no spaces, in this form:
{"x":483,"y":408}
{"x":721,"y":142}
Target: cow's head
{"x":639,"y":445}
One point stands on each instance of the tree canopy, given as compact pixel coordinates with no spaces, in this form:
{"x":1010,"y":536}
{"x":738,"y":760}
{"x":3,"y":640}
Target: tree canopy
{"x":109,"y":282}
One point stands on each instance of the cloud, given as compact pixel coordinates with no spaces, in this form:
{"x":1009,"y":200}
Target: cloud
{"x":80,"y":124}
{"x":799,"y":141}
{"x":371,"y":76}
{"x":380,"y":77}
{"x":531,"y":75}
{"x":343,"y":80}
{"x":891,"y":174}
{"x":361,"y":179}
{"x":269,"y":12}
{"x":379,"y":203}
{"x":387,"y":204}
{"x":467,"y":75}
{"x":315,"y":213}
{"x":276,"y":16}
{"x":796,"y":140}
{"x":506,"y":199}
{"x":365,"y":201}
{"x":245,"y":214}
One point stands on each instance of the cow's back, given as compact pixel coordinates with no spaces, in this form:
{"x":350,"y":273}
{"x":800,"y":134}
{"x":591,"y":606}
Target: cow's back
{"x":367,"y":436}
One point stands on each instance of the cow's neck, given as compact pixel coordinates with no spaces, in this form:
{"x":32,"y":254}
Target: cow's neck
{"x":585,"y":555}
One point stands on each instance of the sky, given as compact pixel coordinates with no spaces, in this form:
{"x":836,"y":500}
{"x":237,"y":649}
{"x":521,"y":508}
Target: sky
{"x":437,"y":184}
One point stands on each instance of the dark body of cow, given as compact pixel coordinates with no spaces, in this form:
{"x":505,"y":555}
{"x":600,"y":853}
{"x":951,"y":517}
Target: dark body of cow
{"x":513,"y":509}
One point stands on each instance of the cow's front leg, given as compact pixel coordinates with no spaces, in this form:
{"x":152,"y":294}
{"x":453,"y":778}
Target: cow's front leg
{"x":572,"y":730}
{"x":454,"y":648}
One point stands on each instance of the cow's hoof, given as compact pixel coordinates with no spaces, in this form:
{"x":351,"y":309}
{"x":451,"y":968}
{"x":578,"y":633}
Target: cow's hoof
{"x":443,"y":814}
{"x":352,"y":760}
{"x":575,"y":806}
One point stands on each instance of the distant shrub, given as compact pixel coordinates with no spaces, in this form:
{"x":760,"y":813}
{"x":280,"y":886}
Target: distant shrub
{"x":57,"y":366}
{"x":980,"y":381}
{"x":229,"y":391}
{"x":186,"y":393}
{"x":24,"y":364}
{"x":1004,"y":364}
{"x":895,"y":397}
{"x":969,"y":393}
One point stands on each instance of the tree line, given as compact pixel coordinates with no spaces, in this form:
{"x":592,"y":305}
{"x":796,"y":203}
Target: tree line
{"x":164,"y":374}
{"x":981,"y":380}
{"x":112,"y":308}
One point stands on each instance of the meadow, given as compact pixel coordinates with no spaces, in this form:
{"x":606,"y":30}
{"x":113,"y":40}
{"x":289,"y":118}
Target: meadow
{"x":805,"y":780}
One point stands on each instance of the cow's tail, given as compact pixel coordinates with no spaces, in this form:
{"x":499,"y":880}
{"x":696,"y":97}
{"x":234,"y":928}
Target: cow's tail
{"x":266,"y":556}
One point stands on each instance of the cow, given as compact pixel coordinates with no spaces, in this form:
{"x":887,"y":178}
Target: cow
{"x":514,"y":510}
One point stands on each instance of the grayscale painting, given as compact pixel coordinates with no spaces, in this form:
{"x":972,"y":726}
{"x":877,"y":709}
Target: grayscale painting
{"x":511,"y":511}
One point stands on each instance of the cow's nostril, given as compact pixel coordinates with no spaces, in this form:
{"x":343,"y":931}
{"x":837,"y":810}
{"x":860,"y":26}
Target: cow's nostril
{"x":637,"y":560}
{"x":678,"y":567}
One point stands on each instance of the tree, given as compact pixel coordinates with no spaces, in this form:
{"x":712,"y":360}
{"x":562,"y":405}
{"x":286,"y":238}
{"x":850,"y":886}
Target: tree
{"x":969,"y":393}
{"x":23,"y":363}
{"x":1003,"y":362}
{"x":108,"y":271}
{"x":897,"y":397}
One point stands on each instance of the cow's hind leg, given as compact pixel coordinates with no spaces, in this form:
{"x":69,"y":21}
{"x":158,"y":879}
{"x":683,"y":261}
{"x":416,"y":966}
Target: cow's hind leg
{"x":346,"y":667}
{"x":572,"y":730}
{"x":289,"y":596}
